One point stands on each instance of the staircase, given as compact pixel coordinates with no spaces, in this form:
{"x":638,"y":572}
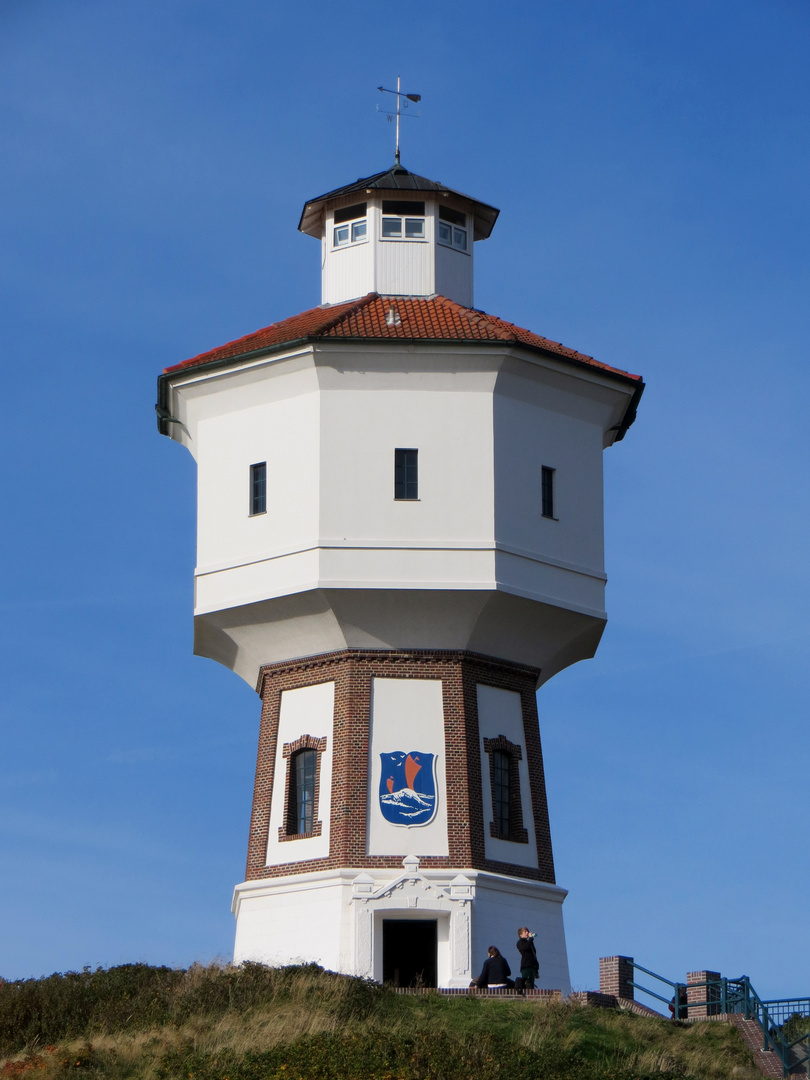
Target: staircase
{"x":776,"y":1032}
{"x":766,"y":1061}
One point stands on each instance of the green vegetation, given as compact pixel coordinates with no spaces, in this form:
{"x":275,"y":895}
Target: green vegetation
{"x":137,"y":1022}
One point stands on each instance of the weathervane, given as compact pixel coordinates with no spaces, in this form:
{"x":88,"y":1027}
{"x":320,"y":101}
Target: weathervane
{"x":399,"y":96}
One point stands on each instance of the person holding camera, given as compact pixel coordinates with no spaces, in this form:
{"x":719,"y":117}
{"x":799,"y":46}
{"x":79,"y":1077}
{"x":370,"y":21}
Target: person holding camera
{"x":529,"y":966}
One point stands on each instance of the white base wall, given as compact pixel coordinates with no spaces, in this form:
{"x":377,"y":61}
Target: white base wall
{"x":334,"y":918}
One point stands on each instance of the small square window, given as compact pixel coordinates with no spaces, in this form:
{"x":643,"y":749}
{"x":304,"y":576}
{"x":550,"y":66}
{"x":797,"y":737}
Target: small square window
{"x":406,"y":474}
{"x":258,"y":488}
{"x":409,"y":222}
{"x":350,"y":225}
{"x":452,"y":228}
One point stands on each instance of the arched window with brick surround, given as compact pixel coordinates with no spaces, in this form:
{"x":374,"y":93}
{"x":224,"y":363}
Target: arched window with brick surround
{"x":301,"y":788}
{"x":504,"y":778}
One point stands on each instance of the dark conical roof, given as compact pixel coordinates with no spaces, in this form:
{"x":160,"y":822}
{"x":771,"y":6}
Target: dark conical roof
{"x":397,"y":178}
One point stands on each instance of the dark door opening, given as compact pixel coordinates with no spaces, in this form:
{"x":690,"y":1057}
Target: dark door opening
{"x":409,"y":952}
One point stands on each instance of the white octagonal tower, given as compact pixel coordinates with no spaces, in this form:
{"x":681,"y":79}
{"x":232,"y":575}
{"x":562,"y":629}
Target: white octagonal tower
{"x":399,"y":539}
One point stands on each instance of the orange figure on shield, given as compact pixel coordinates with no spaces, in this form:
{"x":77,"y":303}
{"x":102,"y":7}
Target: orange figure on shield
{"x":412,"y":767}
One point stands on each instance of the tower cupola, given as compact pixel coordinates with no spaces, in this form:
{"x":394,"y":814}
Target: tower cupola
{"x":397,"y":234}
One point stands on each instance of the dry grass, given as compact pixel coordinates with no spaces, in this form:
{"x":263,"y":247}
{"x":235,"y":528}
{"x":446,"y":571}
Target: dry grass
{"x":218,"y":1011}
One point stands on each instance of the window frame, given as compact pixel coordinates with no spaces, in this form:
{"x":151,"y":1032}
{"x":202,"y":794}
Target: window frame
{"x":301,"y":807}
{"x":449,"y":219}
{"x":547,"y":492}
{"x":257,"y":500}
{"x":406,"y":474}
{"x":501,"y":763}
{"x":398,"y":210}
{"x":344,"y":221}
{"x":515,"y":830}
{"x":291,"y":752}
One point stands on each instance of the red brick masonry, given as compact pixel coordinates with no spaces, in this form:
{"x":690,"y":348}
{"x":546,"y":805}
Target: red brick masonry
{"x":352,"y":671}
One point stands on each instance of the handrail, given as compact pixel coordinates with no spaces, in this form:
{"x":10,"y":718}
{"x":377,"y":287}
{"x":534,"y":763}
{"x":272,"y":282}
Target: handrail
{"x":724,"y":996}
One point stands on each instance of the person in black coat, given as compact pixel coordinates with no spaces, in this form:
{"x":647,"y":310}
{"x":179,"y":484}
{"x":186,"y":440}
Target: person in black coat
{"x":495,"y":972}
{"x":529,"y":965}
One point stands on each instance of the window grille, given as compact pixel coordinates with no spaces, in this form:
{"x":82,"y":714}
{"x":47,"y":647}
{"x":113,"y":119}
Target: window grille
{"x":406,"y":474}
{"x":258,"y":488}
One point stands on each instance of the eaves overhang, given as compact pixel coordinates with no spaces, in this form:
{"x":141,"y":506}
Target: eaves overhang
{"x":166,"y":378}
{"x":396,"y":180}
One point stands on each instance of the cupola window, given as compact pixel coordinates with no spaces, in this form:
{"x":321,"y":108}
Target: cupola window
{"x":350,"y":225}
{"x":403,"y":219}
{"x":452,"y":228}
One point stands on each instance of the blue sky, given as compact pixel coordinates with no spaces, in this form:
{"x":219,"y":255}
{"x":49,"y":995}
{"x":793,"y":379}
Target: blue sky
{"x":651,"y":163}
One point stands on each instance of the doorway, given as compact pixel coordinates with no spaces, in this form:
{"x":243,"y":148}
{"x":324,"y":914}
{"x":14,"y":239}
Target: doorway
{"x":409,"y":952}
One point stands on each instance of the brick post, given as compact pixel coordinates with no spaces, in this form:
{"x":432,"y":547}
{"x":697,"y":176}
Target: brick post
{"x":709,"y":996}
{"x":615,"y":976}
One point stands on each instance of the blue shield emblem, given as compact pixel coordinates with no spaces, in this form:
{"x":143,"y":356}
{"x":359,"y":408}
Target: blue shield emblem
{"x":408,"y":787}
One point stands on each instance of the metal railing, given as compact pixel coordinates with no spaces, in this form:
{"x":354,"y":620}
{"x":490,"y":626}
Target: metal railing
{"x":784,"y":1022}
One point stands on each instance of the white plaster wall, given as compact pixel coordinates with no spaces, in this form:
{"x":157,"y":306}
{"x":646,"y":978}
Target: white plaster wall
{"x":532,"y":433}
{"x":285,"y":434}
{"x":453,"y":433}
{"x":406,"y":714}
{"x":312,"y":918}
{"x":295,"y":921}
{"x":502,"y":905}
{"x":327,"y":419}
{"x":499,"y":713}
{"x":308,"y":710}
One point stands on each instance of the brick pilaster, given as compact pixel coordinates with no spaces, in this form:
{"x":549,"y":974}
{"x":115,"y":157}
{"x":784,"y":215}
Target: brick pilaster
{"x":707,"y":997}
{"x":615,"y":976}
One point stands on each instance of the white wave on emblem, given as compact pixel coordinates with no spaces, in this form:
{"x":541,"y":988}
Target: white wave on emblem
{"x":410,"y":804}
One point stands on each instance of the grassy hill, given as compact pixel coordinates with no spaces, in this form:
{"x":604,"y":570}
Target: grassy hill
{"x":137,"y":1022}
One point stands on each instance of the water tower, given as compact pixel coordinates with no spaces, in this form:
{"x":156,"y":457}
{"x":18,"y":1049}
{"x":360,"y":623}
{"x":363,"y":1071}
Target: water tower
{"x":400,"y":538}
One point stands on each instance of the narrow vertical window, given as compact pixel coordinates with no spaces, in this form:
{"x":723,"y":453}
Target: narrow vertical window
{"x":504,"y":785}
{"x":547,"y":491}
{"x":301,"y":787}
{"x":301,"y":808}
{"x":406,"y":474}
{"x":501,"y":766}
{"x":258,"y":488}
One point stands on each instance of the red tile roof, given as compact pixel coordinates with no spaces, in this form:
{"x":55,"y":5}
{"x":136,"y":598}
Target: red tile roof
{"x":399,"y":318}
